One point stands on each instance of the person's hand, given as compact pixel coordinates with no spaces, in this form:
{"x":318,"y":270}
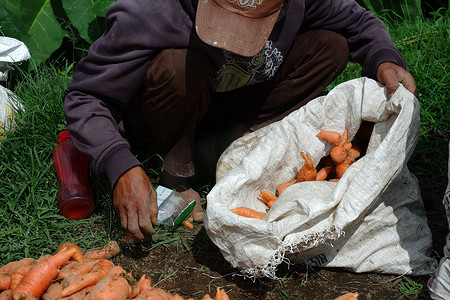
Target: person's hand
{"x":391,"y":75}
{"x":135,"y":201}
{"x":197,"y":213}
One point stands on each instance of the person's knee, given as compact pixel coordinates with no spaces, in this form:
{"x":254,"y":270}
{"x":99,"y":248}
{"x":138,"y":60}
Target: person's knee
{"x":174,"y":68}
{"x":336,"y":45}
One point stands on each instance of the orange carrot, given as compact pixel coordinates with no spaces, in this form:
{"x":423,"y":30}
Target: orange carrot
{"x":339,"y":152}
{"x":77,"y":256}
{"x":19,"y":274}
{"x":53,"y":291}
{"x":6,"y":295}
{"x":249,"y":213}
{"x":267,"y":197}
{"x":9,"y":268}
{"x":207,"y":297}
{"x":341,"y":168}
{"x":221,"y":295}
{"x":38,"y":279}
{"x":326,"y":167}
{"x":308,"y":172}
{"x":78,"y":269}
{"x":188,"y":224}
{"x":112,"y":286}
{"x":330,"y":136}
{"x":68,"y":267}
{"x":5,"y":282}
{"x":141,"y":285}
{"x":348,"y":296}
{"x":153,"y":293}
{"x":353,"y":154}
{"x":323,"y":173}
{"x":109,"y":251}
{"x":284,"y":186}
{"x":81,"y":295}
{"x":146,"y":284}
{"x":75,"y":283}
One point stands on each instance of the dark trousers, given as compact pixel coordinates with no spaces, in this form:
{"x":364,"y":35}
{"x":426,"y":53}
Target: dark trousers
{"x":178,"y":103}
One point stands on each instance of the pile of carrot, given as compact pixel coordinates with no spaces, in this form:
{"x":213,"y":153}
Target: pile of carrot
{"x":72,"y":274}
{"x":331,"y":167}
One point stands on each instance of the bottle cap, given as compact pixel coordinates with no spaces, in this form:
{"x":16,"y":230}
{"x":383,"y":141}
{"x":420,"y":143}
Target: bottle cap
{"x":63,"y":135}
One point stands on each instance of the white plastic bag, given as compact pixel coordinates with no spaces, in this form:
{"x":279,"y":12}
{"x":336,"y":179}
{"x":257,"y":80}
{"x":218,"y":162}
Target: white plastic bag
{"x":9,"y":106}
{"x":439,"y":283}
{"x":372,"y":220}
{"x":11,"y":51}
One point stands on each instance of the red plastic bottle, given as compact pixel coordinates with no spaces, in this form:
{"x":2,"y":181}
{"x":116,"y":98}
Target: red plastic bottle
{"x":75,"y":196}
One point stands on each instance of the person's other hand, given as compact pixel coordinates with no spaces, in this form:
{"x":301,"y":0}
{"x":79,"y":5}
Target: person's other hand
{"x":391,"y":75}
{"x":135,"y":201}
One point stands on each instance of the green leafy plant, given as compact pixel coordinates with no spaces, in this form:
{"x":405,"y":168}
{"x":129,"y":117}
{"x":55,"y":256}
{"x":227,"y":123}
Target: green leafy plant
{"x":407,"y":9}
{"x":410,"y":289}
{"x":402,"y":10}
{"x":43,"y":24}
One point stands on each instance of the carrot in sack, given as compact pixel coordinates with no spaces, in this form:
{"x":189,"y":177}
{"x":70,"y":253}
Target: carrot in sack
{"x":38,"y":279}
{"x":111,"y":249}
{"x":249,"y":213}
{"x":353,"y":154}
{"x":339,"y":152}
{"x":308,"y":172}
{"x":327,"y":167}
{"x":330,"y":136}
{"x":267,"y":197}
{"x":284,"y":186}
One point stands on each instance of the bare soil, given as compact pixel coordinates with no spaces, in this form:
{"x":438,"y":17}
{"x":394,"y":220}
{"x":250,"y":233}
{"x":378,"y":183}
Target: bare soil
{"x":194,"y":267}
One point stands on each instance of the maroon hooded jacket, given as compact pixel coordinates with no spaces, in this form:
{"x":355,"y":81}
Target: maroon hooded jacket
{"x":109,"y":77}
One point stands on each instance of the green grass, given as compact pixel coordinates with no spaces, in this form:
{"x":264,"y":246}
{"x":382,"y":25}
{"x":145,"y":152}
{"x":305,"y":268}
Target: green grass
{"x":30,"y":223}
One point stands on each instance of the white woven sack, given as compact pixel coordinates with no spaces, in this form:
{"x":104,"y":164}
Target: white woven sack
{"x":372,"y":220}
{"x":11,"y":51}
{"x":439,"y":284}
{"x":9,"y":106}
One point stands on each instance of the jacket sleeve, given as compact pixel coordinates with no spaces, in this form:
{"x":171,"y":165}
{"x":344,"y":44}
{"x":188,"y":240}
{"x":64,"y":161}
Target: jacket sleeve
{"x":368,"y":38}
{"x":109,"y":78}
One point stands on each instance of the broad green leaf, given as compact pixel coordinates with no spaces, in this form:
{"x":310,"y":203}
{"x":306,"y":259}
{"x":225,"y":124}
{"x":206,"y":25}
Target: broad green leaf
{"x":101,"y":6}
{"x":8,"y":24}
{"x":38,"y":26}
{"x":83,"y":14}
